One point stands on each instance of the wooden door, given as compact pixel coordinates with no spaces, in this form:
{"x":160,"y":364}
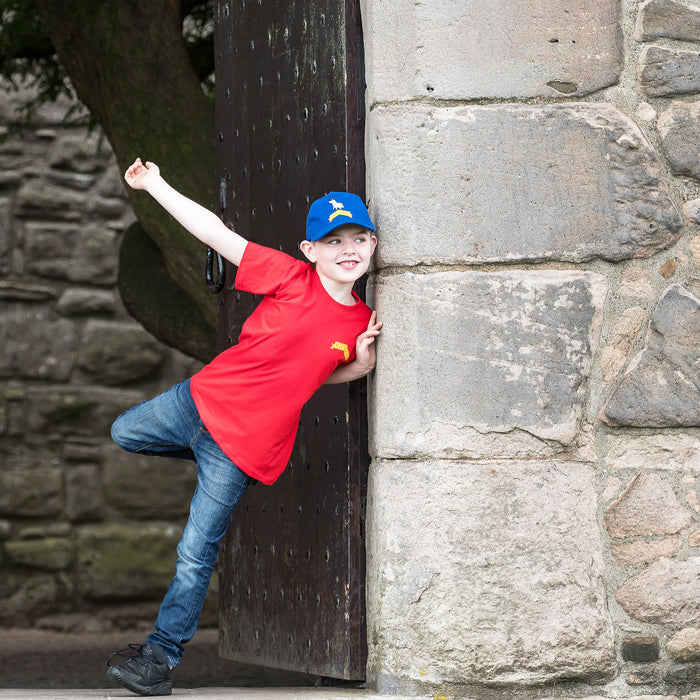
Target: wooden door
{"x":289,"y":125}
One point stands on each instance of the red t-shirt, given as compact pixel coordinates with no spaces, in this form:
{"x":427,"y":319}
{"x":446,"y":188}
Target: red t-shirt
{"x":251,"y":395}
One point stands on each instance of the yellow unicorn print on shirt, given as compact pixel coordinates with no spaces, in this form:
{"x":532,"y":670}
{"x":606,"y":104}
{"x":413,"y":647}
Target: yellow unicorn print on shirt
{"x":343,"y":347}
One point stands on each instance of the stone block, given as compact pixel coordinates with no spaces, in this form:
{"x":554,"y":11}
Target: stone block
{"x":684,"y":646}
{"x":72,"y":410}
{"x":679,"y":127}
{"x":30,"y":486}
{"x":84,"y":496}
{"x":665,"y":72}
{"x":674,"y":451}
{"x":667,"y":593}
{"x":38,"y":199}
{"x":486,"y":572}
{"x":668,"y":19}
{"x":483,"y":364}
{"x":503,"y":183}
{"x":171,"y":483}
{"x":5,"y":228}
{"x":26,"y":596}
{"x":114,"y":352}
{"x":648,"y":506}
{"x":87,"y":255}
{"x":472,"y":49}
{"x":124,"y":561}
{"x":50,"y":553}
{"x":661,"y":387}
{"x":620,"y":341}
{"x":641,"y":552}
{"x":77,"y":302}
{"x":640,"y":649}
{"x":36,"y":344}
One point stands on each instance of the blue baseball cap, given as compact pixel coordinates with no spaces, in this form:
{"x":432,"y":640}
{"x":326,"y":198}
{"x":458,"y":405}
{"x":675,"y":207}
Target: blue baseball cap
{"x":333,"y":210}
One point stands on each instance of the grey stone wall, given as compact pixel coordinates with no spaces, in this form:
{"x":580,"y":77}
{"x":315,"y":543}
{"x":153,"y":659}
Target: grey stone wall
{"x":87,"y":532}
{"x":533,"y":515}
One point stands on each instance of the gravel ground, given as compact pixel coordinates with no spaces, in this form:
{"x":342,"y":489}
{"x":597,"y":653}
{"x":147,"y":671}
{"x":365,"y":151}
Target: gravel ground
{"x":42,"y":659}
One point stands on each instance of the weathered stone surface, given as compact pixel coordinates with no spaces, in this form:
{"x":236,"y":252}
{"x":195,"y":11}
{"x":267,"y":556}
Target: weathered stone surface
{"x":84,"y":495}
{"x":661,"y":387}
{"x":687,"y":675}
{"x":679,"y":127}
{"x":171,"y":484}
{"x":676,"y":452}
{"x":18,"y":291}
{"x":620,"y":342}
{"x":40,"y":199}
{"x":640,"y":649}
{"x":648,"y":506}
{"x":691,"y":209}
{"x":664,"y":72}
{"x":86,"y":255}
{"x":75,"y":152}
{"x":490,"y":363}
{"x":33,"y":594}
{"x":115,"y":353}
{"x":490,"y":573}
{"x":5,"y":244}
{"x":636,"y":283}
{"x":667,"y":592}
{"x":668,"y":269}
{"x":667,"y":19}
{"x":35,"y":343}
{"x":121,"y":561}
{"x":684,"y":646}
{"x":76,"y":302}
{"x":33,"y":492}
{"x":566,"y":182}
{"x":52,"y":553}
{"x":471,"y":49}
{"x":63,"y":210}
{"x":55,"y":410}
{"x":642,"y":552}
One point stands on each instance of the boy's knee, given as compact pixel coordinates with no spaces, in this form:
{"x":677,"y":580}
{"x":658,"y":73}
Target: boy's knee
{"x":120,"y":431}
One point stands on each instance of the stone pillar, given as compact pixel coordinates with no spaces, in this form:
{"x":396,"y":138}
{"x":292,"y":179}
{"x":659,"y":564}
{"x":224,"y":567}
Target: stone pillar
{"x":534,"y":279}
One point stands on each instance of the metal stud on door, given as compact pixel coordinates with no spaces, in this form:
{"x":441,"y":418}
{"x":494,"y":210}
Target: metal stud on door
{"x":289,"y":108}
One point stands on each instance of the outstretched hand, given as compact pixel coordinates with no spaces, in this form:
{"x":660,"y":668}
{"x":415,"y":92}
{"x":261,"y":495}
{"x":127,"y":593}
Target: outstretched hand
{"x":139,"y":175}
{"x":365,"y":351}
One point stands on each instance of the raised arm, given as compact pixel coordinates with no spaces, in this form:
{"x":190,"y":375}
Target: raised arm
{"x":200,"y":222}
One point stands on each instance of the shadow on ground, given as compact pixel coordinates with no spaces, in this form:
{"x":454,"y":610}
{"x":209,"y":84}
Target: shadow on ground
{"x":58,"y":660}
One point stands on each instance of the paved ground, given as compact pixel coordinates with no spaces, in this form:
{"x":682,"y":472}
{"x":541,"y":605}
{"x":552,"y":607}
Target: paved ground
{"x":204,"y":693}
{"x":38,"y":665}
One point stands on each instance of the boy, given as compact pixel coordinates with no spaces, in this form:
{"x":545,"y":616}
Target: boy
{"x":237,"y":417}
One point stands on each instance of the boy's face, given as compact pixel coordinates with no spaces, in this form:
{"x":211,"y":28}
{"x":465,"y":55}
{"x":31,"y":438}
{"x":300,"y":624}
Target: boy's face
{"x":343,"y":255}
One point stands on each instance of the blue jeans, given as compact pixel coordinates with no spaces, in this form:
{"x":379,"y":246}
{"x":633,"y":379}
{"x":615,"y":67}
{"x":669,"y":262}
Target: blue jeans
{"x":169,"y":425}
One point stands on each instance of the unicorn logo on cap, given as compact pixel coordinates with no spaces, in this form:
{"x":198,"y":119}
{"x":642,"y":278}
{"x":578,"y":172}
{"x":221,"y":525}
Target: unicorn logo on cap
{"x":338,"y":210}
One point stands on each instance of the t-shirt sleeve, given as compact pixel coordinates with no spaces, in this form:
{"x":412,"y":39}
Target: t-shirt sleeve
{"x":265,"y":270}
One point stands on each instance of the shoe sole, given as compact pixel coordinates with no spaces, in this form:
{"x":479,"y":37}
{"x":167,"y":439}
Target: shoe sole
{"x":164,"y":688}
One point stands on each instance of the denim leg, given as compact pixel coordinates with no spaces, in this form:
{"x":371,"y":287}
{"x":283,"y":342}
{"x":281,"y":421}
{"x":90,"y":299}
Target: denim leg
{"x":220,"y":485}
{"x":162,"y":426}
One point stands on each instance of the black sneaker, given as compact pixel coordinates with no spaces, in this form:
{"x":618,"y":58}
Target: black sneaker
{"x":145,"y":672}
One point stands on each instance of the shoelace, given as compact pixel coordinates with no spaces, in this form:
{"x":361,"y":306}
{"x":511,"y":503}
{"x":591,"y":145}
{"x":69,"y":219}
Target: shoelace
{"x":131,"y":652}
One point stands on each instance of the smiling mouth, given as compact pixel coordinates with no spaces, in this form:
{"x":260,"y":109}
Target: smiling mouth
{"x":348,"y":263}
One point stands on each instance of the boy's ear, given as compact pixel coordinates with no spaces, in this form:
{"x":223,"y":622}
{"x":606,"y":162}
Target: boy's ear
{"x":307,"y":247}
